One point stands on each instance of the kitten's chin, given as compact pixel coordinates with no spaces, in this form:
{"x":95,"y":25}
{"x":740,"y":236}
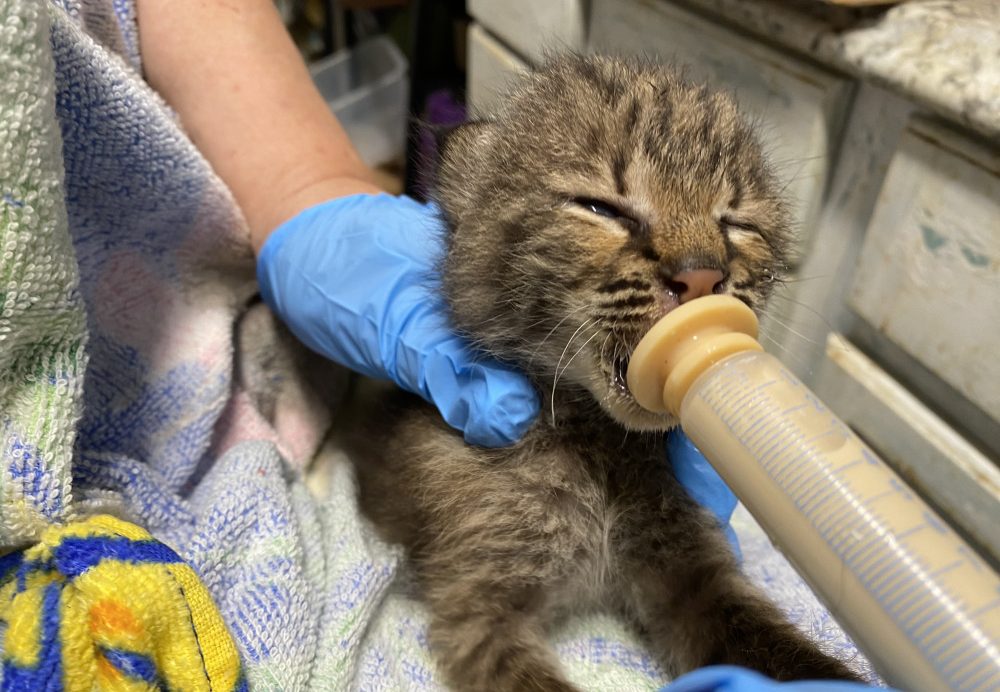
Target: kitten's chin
{"x":626,"y":412}
{"x":619,"y":403}
{"x":608,"y":383}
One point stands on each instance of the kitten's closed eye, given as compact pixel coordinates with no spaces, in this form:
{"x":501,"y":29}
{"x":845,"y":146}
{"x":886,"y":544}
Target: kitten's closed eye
{"x":741,"y":224}
{"x":602,"y":208}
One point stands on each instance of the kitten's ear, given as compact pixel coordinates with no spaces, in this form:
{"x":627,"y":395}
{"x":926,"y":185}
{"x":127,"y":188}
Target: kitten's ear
{"x":465,"y":141}
{"x":462,"y":170}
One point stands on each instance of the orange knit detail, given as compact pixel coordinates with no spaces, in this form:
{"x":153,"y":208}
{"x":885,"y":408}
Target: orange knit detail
{"x":111,"y":617}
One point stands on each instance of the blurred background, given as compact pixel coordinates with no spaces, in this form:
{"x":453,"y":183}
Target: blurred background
{"x":389,"y":69}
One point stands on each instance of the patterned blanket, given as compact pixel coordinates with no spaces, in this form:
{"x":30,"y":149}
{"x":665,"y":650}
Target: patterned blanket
{"x":139,"y":380}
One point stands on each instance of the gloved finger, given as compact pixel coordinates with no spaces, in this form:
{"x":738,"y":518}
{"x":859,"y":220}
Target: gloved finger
{"x":490,"y":403}
{"x":698,"y":477}
{"x":722,"y":679}
{"x":736,"y":679}
{"x":493,"y":405}
{"x":702,"y":482}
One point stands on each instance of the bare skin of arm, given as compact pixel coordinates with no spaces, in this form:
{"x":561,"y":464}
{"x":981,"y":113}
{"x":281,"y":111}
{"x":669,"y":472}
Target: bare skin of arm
{"x":232,"y":73}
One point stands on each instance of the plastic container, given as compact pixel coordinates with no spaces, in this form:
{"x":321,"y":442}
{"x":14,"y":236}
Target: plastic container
{"x":367,"y":89}
{"x":916,"y":598}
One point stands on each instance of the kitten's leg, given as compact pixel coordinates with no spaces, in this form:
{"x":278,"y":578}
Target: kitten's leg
{"x":493,"y":645}
{"x":699,"y":609}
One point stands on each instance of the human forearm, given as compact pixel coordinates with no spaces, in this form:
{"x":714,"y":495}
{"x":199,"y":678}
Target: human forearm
{"x":233,"y":75}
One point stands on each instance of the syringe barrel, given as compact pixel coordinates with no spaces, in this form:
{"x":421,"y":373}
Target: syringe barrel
{"x":907,"y":588}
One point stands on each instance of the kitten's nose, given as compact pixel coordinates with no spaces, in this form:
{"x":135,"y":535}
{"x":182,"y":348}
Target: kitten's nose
{"x":695,"y":283}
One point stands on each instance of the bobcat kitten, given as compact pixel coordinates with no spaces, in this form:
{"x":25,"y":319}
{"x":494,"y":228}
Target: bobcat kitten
{"x":605,"y":193}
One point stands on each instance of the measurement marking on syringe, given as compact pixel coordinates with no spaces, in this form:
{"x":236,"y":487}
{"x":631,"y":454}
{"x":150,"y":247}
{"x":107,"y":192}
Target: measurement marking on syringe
{"x":770,"y":453}
{"x":745,"y":394}
{"x":725,"y":390}
{"x":947,"y":653}
{"x":947,"y":568}
{"x":736,"y":392}
{"x":988,"y":670}
{"x":847,"y":467}
{"x":968,"y":663}
{"x":771,"y":434}
{"x":992,"y":605}
{"x":857,"y":555}
{"x":738,"y":398}
{"x":817,"y":495}
{"x":890,"y":579}
{"x":783,"y":464}
{"x":974,"y":668}
{"x":798,"y":477}
{"x":928,"y":622}
{"x":989,"y":680}
{"x":772,"y":456}
{"x":971,"y":558}
{"x":757,"y":426}
{"x":906,"y":598}
{"x":866,"y":570}
{"x":946,"y":662}
{"x":826,"y":483}
{"x":949,"y":636}
{"x":851,"y":554}
{"x":841,"y":527}
{"x":866,"y":573}
{"x":757,"y":420}
{"x":963,"y":665}
{"x":907,"y":609}
{"x":837,"y":529}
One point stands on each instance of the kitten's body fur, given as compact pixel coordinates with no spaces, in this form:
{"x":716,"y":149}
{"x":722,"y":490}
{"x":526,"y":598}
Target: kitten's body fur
{"x":567,"y":215}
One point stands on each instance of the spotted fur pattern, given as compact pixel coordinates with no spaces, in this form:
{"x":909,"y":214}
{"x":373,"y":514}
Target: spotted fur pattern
{"x":568,"y":213}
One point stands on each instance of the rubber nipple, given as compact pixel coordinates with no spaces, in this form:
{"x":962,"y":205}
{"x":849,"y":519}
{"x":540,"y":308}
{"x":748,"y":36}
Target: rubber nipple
{"x":685,"y":343}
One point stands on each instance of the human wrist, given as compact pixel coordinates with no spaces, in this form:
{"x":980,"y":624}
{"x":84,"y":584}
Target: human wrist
{"x":292,"y":199}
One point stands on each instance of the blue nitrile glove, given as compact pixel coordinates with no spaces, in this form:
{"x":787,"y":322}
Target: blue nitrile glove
{"x":702,"y":482}
{"x":735,"y":679}
{"x":354,"y":279}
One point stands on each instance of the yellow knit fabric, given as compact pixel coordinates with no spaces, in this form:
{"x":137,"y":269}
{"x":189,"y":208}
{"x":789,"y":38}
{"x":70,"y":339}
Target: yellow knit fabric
{"x":100,"y":604}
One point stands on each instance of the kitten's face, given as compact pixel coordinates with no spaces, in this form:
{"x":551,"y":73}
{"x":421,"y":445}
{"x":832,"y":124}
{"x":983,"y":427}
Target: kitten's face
{"x":572,"y":212}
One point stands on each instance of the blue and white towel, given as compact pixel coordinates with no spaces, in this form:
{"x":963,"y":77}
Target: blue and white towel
{"x":138,"y":378}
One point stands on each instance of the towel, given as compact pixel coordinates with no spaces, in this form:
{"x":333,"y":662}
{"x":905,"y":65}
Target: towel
{"x":140,"y":380}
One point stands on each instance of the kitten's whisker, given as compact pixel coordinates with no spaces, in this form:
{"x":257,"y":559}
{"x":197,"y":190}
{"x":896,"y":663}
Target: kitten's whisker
{"x":569,"y":314}
{"x":788,"y":327}
{"x":604,"y":345}
{"x":570,"y":361}
{"x":817,"y":313}
{"x":800,"y":279}
{"x":786,"y":353}
{"x":778,"y":163}
{"x":555,"y":378}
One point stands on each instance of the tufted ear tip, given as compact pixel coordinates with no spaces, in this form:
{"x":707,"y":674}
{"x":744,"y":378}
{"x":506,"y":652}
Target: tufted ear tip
{"x":461,"y":155}
{"x":464,"y":139}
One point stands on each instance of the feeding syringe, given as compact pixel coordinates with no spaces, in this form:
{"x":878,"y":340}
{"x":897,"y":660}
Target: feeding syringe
{"x":913,"y":595}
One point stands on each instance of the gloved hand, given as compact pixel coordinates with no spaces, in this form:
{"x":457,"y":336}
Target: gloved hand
{"x":702,"y":482}
{"x":354,"y":279}
{"x":735,"y":679}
